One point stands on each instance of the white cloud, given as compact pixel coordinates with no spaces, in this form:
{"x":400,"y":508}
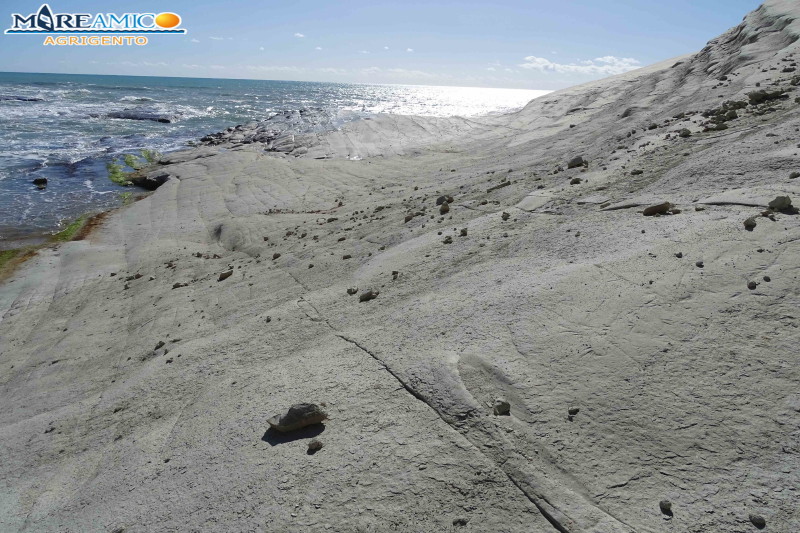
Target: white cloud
{"x":266,"y":68}
{"x":217,"y":67}
{"x":385,"y":47}
{"x":261,"y":48}
{"x":299,"y":35}
{"x":605,"y":66}
{"x":217,"y":38}
{"x":195,"y":40}
{"x":318,"y":48}
{"x":364,"y":52}
{"x":491,"y":69}
{"x":331,"y":70}
{"x":409,"y":49}
{"x":159,"y":64}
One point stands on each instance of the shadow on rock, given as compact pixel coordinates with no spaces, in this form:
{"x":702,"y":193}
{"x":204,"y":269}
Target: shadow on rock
{"x":275,"y":437}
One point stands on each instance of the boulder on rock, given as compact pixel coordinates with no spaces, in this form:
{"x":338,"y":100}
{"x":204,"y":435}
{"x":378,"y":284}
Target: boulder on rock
{"x":658,"y":209}
{"x":576,"y":162}
{"x":298,"y":416}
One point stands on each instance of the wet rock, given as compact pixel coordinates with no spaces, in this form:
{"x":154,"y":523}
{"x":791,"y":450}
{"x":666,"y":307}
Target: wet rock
{"x":576,"y":162}
{"x":40,"y":182}
{"x":225,"y":275}
{"x":444,"y":208}
{"x":658,"y":209}
{"x":750,"y":224}
{"x":368,"y":295}
{"x":351,"y":291}
{"x":298,"y":416}
{"x":501,"y":407}
{"x":666,"y":507}
{"x":314,"y":446}
{"x":758,"y":521}
{"x":152,"y":181}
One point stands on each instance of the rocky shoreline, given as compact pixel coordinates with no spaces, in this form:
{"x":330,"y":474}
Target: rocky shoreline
{"x":577,"y":317}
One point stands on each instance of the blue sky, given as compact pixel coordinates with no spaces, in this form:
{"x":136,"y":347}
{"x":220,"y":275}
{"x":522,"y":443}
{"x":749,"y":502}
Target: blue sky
{"x":532,"y":44}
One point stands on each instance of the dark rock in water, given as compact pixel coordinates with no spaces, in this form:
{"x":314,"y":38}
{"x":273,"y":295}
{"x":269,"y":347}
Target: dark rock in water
{"x":40,"y":182}
{"x":7,"y":98}
{"x":142,"y":113}
{"x":758,"y":521}
{"x":575,"y":162}
{"x":443,"y":199}
{"x":225,"y":275}
{"x":666,"y":507}
{"x":368,"y":295}
{"x":298,"y":416}
{"x":659,"y":209}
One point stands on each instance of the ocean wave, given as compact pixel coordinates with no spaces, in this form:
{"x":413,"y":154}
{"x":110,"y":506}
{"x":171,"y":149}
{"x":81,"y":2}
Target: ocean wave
{"x":135,"y":99}
{"x":16,"y":98}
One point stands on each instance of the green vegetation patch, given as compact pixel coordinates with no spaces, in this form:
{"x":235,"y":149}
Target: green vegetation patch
{"x":72,"y":229}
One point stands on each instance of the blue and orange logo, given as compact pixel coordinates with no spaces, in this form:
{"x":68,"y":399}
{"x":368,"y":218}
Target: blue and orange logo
{"x":48,"y":23}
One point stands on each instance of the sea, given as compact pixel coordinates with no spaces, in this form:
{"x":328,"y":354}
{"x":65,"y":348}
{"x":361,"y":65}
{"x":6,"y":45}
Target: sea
{"x":66,"y":128}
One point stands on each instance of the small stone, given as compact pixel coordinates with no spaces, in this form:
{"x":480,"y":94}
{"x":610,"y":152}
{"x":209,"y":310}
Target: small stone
{"x":225,"y":275}
{"x":575,"y":181}
{"x":501,"y":407}
{"x":275,"y":256}
{"x":444,"y":199}
{"x":750,"y":224}
{"x":347,"y":256}
{"x":444,"y":209}
{"x":368,"y":295}
{"x":576,"y":162}
{"x":573,"y":411}
{"x":40,"y":182}
{"x":780,"y":203}
{"x":298,"y":416}
{"x":685,"y":133}
{"x":159,"y":345}
{"x":758,"y":521}
{"x":408,"y":218}
{"x":658,"y":209}
{"x":699,"y":264}
{"x":752,"y":285}
{"x":460,"y":522}
{"x":463,"y":232}
{"x":794,"y":175}
{"x":666,"y":507}
{"x":505,"y":216}
{"x":351,"y":291}
{"x":637,"y":172}
{"x":679,"y":255}
{"x":314,"y":446}
{"x":448,"y":240}
{"x":767,"y":279}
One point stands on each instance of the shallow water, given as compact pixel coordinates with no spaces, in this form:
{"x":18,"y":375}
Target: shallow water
{"x":67,"y":127}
